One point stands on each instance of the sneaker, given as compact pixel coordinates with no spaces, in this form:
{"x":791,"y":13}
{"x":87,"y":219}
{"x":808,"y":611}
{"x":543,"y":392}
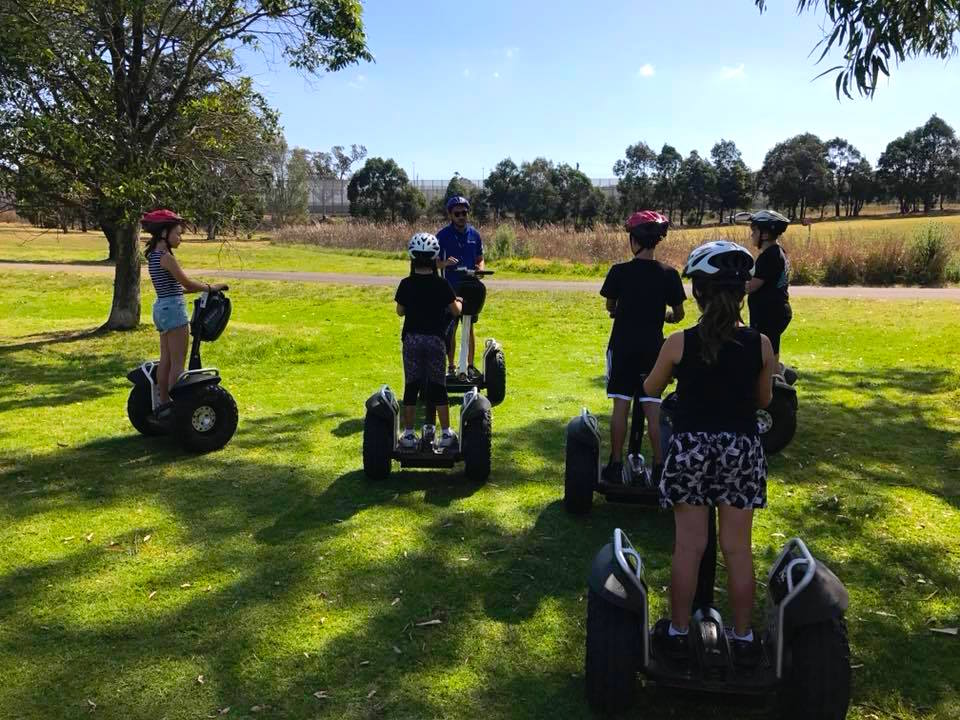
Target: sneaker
{"x":452,"y":370}
{"x":448,"y":440}
{"x":472,"y":372}
{"x":408,"y":441}
{"x":746,"y":653}
{"x":613,"y":473}
{"x":164,"y":411}
{"x":675,"y":648}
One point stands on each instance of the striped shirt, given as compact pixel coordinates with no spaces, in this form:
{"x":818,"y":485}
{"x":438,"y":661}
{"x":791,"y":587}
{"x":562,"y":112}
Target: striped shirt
{"x":164,"y":283}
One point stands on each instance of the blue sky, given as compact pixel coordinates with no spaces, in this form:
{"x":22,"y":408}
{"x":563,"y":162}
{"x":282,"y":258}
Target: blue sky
{"x":458,"y":86}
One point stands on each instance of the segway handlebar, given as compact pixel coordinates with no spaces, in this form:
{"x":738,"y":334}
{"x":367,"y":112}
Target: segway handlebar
{"x":477,"y":273}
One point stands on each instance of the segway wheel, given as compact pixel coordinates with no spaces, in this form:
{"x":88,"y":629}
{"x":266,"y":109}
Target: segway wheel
{"x":495,"y":377}
{"x":139,"y":410}
{"x":613,"y":650}
{"x":206,"y":418}
{"x":476,"y":447}
{"x":777,"y":422}
{"x":816,"y":682}
{"x":377,"y":446}
{"x":579,"y":477}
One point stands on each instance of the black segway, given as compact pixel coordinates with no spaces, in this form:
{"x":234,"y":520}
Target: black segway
{"x":204,"y":415}
{"x":777,"y":423}
{"x":582,"y":472}
{"x":493,"y":377}
{"x":381,"y":435}
{"x":804,"y":658}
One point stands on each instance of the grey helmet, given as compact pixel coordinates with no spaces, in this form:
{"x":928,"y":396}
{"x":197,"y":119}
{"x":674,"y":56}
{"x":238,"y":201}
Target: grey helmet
{"x":721,"y":262}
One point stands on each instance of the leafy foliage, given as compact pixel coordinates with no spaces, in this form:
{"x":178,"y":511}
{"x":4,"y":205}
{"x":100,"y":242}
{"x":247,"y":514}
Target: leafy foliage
{"x":382,"y":190}
{"x":871,"y":33}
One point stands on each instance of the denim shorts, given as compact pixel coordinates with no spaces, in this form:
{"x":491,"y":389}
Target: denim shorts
{"x":170,"y":313}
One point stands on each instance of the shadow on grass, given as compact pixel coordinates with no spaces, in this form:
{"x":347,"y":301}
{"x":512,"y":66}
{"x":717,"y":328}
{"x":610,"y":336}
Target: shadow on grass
{"x":510,"y":602}
{"x":21,"y":261}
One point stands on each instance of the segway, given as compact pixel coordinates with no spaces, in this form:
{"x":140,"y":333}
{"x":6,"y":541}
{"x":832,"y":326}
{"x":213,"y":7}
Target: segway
{"x":493,"y":377}
{"x":582,"y":472}
{"x":777,"y":422}
{"x":381,"y":435}
{"x":804,"y":657}
{"x":204,"y":414}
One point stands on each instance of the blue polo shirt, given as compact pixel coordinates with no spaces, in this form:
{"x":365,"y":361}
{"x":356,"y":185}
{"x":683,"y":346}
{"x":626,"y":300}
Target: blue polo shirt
{"x":466,"y":247}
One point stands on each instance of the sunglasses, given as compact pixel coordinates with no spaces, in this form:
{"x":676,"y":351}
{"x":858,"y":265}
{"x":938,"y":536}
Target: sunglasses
{"x":459,"y":213}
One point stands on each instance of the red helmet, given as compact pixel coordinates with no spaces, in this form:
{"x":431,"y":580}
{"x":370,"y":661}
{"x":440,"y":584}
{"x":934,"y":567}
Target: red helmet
{"x":647,"y":227}
{"x":161,"y":218}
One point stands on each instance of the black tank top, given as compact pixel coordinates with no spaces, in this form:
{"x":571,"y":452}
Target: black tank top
{"x":720,"y":397}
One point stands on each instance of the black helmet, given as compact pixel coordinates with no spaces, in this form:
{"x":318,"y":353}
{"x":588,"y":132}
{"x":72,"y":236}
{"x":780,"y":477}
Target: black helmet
{"x":767,"y":220}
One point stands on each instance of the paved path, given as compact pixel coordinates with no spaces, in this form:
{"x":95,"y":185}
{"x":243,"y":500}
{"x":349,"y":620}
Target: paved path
{"x":878,"y":293}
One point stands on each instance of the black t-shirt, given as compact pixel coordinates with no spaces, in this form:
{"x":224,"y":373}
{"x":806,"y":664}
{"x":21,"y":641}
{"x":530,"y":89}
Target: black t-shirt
{"x":643,"y":289}
{"x":425,"y":299}
{"x":720,"y":397}
{"x":772,"y":299}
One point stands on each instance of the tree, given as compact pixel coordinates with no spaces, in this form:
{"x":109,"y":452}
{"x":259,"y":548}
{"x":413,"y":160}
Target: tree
{"x":733,"y":180}
{"x":224,"y":157}
{"x":871,"y":32}
{"x":537,"y":196}
{"x":380,"y":189}
{"x":635,"y":183}
{"x":480,"y":205}
{"x":842,"y":159}
{"x":574,"y":192}
{"x":922,"y":166}
{"x":503,"y":183}
{"x":697,"y":180}
{"x":95,"y":88}
{"x":666,"y":190}
{"x":861,"y":187}
{"x":288,"y":197}
{"x":795,"y":175}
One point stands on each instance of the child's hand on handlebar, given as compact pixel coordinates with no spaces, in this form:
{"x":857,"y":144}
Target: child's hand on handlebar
{"x":448,"y":262}
{"x":218,"y":287}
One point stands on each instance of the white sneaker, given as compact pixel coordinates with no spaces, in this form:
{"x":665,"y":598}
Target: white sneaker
{"x":408,"y":441}
{"x":448,"y":440}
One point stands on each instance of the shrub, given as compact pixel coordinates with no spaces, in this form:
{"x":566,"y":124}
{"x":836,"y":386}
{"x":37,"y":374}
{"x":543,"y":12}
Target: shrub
{"x":841,"y":266}
{"x":883,"y":262}
{"x":952,"y":273}
{"x":502,"y":244}
{"x":928,"y":256}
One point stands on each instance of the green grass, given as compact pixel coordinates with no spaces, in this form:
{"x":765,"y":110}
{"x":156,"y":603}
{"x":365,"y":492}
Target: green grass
{"x":280,"y":571}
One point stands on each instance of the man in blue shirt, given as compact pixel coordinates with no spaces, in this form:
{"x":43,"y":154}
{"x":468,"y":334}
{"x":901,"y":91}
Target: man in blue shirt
{"x":461,"y":248}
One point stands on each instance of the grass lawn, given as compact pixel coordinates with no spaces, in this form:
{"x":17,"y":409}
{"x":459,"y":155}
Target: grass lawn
{"x":151,"y":584}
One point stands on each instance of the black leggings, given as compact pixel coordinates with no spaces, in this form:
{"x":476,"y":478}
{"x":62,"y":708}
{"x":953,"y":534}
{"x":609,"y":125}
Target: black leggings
{"x":433,"y":393}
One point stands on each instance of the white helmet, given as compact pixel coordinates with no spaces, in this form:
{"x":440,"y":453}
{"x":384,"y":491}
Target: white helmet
{"x":423,"y":245}
{"x":719,"y":261}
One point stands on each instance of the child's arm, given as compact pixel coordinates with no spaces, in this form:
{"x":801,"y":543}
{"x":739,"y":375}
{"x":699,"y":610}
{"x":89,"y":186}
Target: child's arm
{"x":754,"y":284}
{"x":401,"y":310}
{"x":765,"y":379}
{"x":612,"y":306}
{"x":670,"y":354}
{"x":456,"y":307}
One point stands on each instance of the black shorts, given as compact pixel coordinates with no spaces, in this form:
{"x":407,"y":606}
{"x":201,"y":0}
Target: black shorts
{"x":626,"y":370}
{"x":773,"y":327}
{"x":714,"y":469}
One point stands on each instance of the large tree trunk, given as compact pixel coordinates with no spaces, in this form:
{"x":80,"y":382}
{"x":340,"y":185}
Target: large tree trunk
{"x":125,"y":312}
{"x":110,"y":230}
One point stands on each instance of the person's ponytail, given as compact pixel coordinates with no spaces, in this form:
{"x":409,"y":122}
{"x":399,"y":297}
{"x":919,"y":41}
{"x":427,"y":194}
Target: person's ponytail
{"x":721,"y":306}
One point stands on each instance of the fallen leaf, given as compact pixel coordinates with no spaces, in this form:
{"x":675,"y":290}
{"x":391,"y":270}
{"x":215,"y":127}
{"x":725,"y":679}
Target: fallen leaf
{"x":258,"y":708}
{"x":223,"y":710}
{"x":88,"y":537}
{"x":208,"y":588}
{"x":856,"y":667}
{"x":946,"y":630}
{"x":427,"y":623}
{"x":364,"y":662}
{"x":371,"y":693}
{"x":883,"y":613}
{"x":186,"y":585}
{"x":777,"y":535}
{"x":146,"y":538}
{"x":276,"y":582}
{"x":395,"y":601}
{"x":112,"y":543}
{"x":200,"y":679}
{"x":152,"y":593}
{"x":306,"y":655}
{"x":494,"y":552}
{"x":68,"y":538}
{"x":321,"y":695}
{"x":397,"y":650}
{"x":92,"y":705}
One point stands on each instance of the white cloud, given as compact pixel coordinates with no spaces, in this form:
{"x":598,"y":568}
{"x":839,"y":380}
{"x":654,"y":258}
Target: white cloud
{"x":732,"y":73}
{"x":466,"y":72}
{"x":510,"y":52}
{"x":496,"y":75}
{"x":646,"y":70}
{"x":357,"y":82}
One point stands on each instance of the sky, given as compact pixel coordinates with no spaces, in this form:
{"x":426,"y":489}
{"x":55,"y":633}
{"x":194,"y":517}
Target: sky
{"x":458,"y":86}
